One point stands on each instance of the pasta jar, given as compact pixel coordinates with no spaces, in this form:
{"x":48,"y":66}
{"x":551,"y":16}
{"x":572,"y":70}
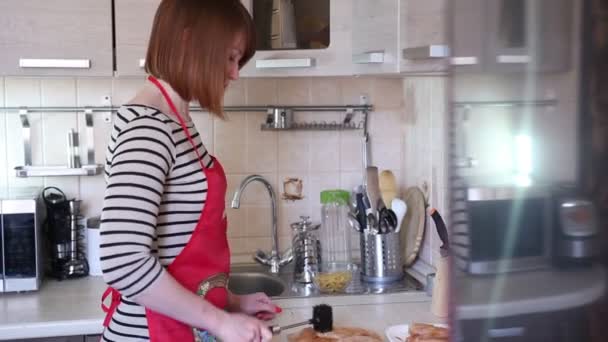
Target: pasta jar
{"x":335,"y":233}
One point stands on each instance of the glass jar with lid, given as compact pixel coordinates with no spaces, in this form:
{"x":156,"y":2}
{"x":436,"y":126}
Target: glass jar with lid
{"x":335,"y":233}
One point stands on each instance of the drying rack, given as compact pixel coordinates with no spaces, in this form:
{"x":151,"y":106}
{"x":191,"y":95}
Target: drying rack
{"x":90,"y":168}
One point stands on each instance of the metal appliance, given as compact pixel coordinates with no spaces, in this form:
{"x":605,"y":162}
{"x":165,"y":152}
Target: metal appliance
{"x":576,"y":229}
{"x":499,"y":229}
{"x":21,"y":247}
{"x":306,"y":250}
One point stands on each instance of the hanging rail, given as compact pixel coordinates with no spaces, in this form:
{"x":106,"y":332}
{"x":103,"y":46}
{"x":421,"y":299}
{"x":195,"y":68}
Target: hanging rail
{"x":536,"y":103}
{"x":195,"y":108}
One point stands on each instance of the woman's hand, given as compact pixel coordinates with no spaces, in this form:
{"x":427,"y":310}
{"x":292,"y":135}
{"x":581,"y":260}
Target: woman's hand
{"x":238,"y":327}
{"x":257,"y":304}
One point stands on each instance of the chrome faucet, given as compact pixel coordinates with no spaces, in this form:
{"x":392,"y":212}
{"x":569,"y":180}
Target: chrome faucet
{"x":275,"y":260}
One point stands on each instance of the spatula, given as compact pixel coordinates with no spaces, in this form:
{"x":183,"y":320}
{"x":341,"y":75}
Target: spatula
{"x":388,"y":187}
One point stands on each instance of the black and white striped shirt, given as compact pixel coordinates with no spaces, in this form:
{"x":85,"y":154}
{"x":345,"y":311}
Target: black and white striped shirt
{"x":154,"y":196}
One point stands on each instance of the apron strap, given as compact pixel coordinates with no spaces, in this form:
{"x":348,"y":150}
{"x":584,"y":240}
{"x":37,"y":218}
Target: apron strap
{"x":162,"y":89}
{"x":109,"y":310}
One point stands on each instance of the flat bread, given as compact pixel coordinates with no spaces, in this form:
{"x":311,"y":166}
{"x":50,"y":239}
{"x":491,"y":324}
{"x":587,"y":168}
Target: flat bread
{"x":338,"y":334}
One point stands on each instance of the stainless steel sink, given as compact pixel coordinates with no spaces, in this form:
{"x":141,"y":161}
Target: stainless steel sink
{"x":250,"y":282}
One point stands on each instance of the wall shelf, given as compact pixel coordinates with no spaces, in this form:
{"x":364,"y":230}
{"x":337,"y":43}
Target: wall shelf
{"x":51,"y":171}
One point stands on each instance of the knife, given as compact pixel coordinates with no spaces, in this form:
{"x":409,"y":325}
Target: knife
{"x":444,"y":250}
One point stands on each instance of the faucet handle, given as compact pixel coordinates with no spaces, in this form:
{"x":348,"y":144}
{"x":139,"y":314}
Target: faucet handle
{"x":287,"y":257}
{"x":261,"y":257}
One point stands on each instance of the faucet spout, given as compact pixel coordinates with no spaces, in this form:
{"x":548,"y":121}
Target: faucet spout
{"x":274,"y":260}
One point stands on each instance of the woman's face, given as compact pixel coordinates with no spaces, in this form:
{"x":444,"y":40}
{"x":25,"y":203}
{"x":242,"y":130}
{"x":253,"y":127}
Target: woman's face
{"x":235,"y":53}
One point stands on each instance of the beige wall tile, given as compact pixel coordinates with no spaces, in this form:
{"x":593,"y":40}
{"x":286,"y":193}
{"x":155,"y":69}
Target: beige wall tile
{"x":259,"y":221}
{"x":386,"y":124}
{"x":351,"y":157}
{"x":204,"y":123}
{"x":237,"y":222}
{"x":294,"y":91}
{"x":353,"y":88}
{"x":124,"y":89}
{"x":387,"y":153}
{"x":93,"y":91}
{"x":238,"y":245}
{"x":290,"y":212}
{"x":324,"y":157}
{"x":14,"y":149}
{"x":349,"y":180}
{"x":92,"y":191}
{"x":231,"y":156}
{"x":255,"y":193}
{"x":21,"y":91}
{"x":255,"y":243}
{"x":254,"y":133}
{"x":387,"y":93}
{"x":58,"y":92}
{"x":261,"y":91}
{"x":236,"y":93}
{"x":326,"y":91}
{"x":230,"y":131}
{"x":4,"y":170}
{"x":261,"y":158}
{"x":55,"y":127}
{"x":330,"y":138}
{"x":294,"y":157}
{"x":1,"y":91}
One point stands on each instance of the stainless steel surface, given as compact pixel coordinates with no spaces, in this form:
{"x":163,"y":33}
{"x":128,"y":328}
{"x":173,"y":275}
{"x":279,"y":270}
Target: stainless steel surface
{"x":577,"y":217}
{"x":306,"y":250}
{"x":293,"y":289}
{"x":381,"y":257}
{"x":105,"y":109}
{"x":73,"y":150}
{"x":275,"y":260}
{"x":282,"y":117}
{"x":54,"y":63}
{"x":252,"y":282}
{"x":90,"y":136}
{"x":50,"y":171}
{"x":470,"y":60}
{"x":426,"y":52}
{"x":577,"y":248}
{"x":26,"y":132}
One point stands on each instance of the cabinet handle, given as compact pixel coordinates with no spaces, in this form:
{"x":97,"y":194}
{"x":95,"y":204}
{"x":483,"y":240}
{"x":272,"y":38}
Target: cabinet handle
{"x":370,"y":57}
{"x":142,"y":63}
{"x":464,"y":60}
{"x":285,"y":63}
{"x":506,"y":332}
{"x":55,"y":63}
{"x":426,"y":52}
{"x":513,"y":59}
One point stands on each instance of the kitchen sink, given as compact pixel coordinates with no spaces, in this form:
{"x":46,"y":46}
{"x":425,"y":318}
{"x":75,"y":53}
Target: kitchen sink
{"x":250,"y":282}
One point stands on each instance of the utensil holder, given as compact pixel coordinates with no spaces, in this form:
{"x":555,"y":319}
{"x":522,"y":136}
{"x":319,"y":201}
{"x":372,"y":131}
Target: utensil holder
{"x":380,"y":257}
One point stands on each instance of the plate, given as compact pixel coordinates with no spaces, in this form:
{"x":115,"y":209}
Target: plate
{"x":398,"y":333}
{"x":412,"y":228}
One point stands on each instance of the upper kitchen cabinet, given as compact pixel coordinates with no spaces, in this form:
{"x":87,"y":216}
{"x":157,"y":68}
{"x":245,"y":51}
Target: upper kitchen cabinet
{"x":68,"y":37}
{"x":300,"y":38}
{"x":399,"y":36}
{"x":512,"y":35}
{"x":133,"y":20}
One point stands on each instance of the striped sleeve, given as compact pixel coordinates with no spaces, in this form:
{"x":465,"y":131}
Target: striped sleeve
{"x":140,"y":161}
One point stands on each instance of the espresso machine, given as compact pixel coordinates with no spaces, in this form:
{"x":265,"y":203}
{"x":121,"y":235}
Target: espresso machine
{"x":65,"y":236}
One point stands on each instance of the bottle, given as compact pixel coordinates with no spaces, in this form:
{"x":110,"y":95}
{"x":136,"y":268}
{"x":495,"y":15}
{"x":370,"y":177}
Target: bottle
{"x":335,"y":232}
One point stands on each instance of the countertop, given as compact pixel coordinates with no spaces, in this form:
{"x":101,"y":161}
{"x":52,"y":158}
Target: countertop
{"x":72,"y":307}
{"x":528,"y":292}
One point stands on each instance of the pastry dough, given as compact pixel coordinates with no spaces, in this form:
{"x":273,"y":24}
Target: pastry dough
{"x":338,"y":334}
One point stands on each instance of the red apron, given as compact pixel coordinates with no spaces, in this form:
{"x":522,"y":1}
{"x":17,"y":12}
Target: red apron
{"x":203,"y":265}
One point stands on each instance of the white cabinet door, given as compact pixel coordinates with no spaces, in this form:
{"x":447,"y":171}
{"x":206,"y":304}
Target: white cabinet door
{"x":332,"y":61}
{"x":375,"y":36}
{"x":399,"y":36}
{"x":133,"y":20}
{"x":423,"y":45}
{"x":67,"y":37}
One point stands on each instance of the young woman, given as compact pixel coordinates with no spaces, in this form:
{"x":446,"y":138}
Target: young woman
{"x":164,"y":248}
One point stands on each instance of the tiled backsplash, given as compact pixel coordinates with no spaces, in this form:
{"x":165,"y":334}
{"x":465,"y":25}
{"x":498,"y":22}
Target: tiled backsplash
{"x":322,"y":160}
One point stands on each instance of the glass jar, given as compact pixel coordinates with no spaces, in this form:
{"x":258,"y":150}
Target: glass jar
{"x":335,"y":233}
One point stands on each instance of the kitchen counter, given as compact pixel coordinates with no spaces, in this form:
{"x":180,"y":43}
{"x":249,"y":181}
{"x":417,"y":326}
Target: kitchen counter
{"x":528,"y":292}
{"x":72,"y":307}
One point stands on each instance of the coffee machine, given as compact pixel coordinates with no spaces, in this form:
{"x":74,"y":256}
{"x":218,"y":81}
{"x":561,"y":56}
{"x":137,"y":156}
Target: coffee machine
{"x":65,"y":235}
